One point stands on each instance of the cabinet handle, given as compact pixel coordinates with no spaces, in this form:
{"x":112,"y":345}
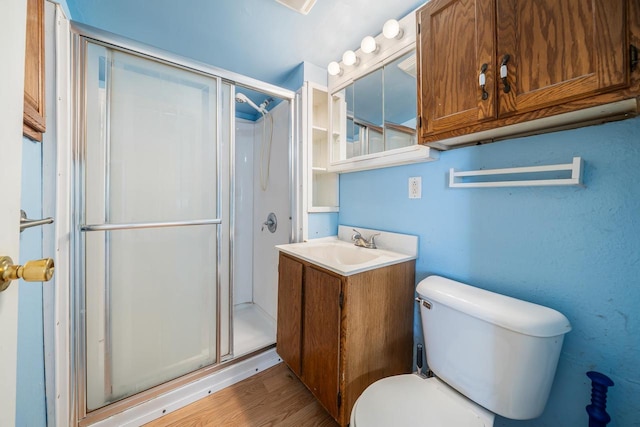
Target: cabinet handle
{"x":504,"y":72}
{"x":482,"y":80}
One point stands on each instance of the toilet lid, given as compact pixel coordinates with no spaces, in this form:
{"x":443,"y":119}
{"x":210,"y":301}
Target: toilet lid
{"x":410,"y":400}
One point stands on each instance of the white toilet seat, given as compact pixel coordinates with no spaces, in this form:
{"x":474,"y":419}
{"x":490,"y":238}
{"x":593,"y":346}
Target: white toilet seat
{"x":410,"y":400}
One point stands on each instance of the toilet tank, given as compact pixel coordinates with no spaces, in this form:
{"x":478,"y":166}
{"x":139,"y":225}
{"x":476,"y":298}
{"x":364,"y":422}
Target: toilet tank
{"x":499,"y":351}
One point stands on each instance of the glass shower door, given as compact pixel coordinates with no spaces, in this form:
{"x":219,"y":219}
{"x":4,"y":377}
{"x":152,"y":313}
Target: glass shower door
{"x":149,"y":208}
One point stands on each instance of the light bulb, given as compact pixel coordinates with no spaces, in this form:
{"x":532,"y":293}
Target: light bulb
{"x":334,"y":68}
{"x":369,"y":45}
{"x":392,"y":30}
{"x":349,"y":58}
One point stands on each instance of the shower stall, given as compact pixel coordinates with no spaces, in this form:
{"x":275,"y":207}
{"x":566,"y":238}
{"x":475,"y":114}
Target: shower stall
{"x":180,"y":195}
{"x":262,"y":218}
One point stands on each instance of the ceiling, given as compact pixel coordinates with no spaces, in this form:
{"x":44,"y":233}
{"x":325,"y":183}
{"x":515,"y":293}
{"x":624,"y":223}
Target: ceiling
{"x":261,"y":39}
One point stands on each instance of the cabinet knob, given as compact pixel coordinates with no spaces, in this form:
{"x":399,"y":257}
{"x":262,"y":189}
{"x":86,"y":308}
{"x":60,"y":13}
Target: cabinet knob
{"x":482,"y":81}
{"x":504,"y":72}
{"x":40,"y":270}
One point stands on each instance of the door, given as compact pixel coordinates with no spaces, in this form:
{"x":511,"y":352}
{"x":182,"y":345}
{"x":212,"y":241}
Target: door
{"x":149,"y":211}
{"x":557,"y":51}
{"x":455,"y":46}
{"x":321,"y":337}
{"x":11,"y":103}
{"x":289,"y":333}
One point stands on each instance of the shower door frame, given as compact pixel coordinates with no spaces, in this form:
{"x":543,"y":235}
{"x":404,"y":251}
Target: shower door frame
{"x":80,"y":36}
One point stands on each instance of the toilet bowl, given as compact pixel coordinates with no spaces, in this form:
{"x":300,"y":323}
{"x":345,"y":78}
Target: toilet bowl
{"x":489,"y":353}
{"x":412,"y":400}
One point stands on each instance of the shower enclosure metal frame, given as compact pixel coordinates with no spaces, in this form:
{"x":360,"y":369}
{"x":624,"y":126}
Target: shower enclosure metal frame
{"x":81,"y":35}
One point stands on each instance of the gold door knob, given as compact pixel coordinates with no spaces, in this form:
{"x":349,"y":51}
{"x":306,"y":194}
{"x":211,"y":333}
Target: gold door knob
{"x":40,"y":270}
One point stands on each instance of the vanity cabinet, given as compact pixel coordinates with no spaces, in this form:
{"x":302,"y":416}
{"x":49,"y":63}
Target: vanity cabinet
{"x":289,"y":331}
{"x":485,"y":64}
{"x":339,"y":334}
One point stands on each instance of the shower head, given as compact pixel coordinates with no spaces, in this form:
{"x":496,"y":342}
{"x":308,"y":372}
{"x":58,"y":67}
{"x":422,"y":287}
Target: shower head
{"x":242,"y":98}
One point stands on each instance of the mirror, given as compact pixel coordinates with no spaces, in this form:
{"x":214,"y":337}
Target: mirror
{"x":376,"y":112}
{"x":400,"y":106}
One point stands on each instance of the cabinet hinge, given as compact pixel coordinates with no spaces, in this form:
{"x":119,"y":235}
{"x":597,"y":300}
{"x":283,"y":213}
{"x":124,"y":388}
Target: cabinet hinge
{"x":339,"y":399}
{"x":633,"y":57}
{"x":341,"y":299}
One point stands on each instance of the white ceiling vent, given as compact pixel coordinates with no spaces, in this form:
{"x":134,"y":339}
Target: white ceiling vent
{"x":302,"y":6}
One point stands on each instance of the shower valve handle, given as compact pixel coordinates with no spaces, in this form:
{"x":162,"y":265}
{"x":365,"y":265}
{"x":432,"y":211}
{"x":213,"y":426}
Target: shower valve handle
{"x":271,"y":223}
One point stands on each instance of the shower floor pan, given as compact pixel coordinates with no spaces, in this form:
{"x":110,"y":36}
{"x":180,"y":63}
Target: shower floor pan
{"x":253,"y":329}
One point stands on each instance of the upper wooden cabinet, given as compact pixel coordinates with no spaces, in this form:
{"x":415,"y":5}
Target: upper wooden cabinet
{"x":34,"y":121}
{"x":559,"y":50}
{"x":485,"y":64}
{"x":457,"y":40}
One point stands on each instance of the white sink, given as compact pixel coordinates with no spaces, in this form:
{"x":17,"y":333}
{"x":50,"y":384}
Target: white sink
{"x":339,"y":254}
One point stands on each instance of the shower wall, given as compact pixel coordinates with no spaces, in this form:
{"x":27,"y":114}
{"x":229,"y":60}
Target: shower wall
{"x":243,"y":226}
{"x":274,"y":199}
{"x":254,"y":246}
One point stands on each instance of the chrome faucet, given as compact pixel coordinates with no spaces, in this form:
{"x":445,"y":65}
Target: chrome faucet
{"x":362,"y":242}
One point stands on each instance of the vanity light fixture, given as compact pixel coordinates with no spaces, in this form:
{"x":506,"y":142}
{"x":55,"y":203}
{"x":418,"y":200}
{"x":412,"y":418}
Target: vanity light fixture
{"x":350,"y":58}
{"x":369,"y":45}
{"x":334,"y":69}
{"x":392,"y":30}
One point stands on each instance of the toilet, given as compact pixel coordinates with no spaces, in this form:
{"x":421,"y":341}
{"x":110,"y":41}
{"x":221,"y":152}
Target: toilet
{"x":489,"y":354}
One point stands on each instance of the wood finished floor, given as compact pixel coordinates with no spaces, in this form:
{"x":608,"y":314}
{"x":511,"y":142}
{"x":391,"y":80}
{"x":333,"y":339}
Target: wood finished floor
{"x":275,"y":397}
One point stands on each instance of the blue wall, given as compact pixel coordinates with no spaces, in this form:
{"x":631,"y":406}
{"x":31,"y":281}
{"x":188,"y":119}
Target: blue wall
{"x":323,"y":224}
{"x":573,"y":249}
{"x":30,"y":389}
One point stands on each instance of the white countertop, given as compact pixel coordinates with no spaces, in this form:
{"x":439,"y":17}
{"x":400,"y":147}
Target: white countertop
{"x":340,"y":255}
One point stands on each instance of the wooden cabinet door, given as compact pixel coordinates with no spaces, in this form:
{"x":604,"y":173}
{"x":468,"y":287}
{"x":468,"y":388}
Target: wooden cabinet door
{"x":559,"y":51}
{"x":457,"y":39}
{"x":321,"y":337}
{"x":289,"y":334}
{"x":34,"y":117}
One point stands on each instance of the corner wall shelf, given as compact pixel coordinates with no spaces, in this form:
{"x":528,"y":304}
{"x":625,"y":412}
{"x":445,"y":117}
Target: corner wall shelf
{"x":456,"y":178}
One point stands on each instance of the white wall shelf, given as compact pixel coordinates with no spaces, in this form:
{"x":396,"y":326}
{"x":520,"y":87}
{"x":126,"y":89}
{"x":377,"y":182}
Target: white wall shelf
{"x":399,"y":156}
{"x":322,"y":184}
{"x":456,"y":179}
